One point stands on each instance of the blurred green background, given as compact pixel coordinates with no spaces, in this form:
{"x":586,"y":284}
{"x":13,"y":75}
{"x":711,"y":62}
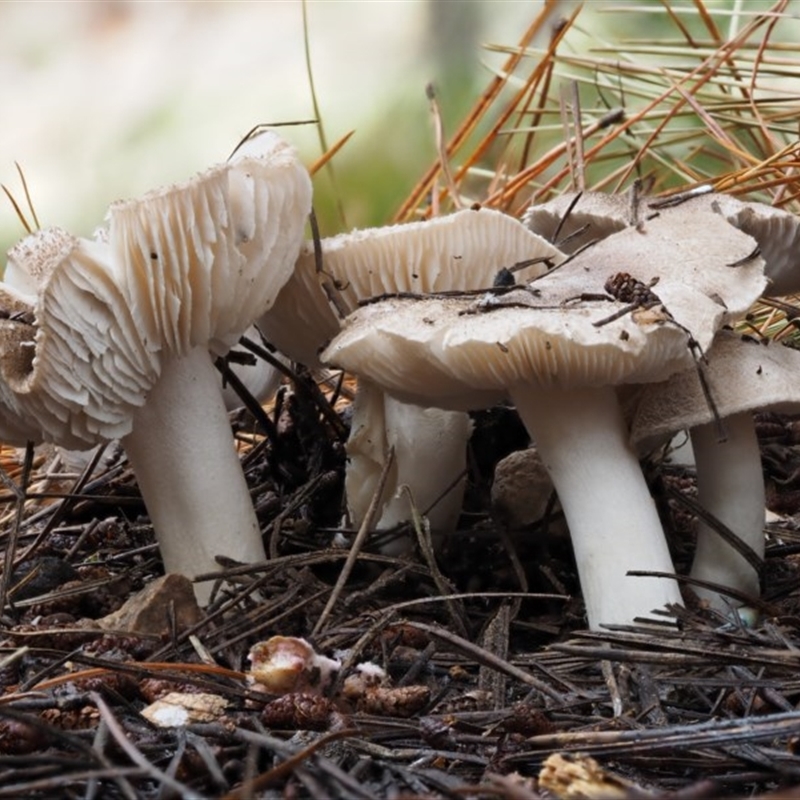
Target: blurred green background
{"x":107,"y":99}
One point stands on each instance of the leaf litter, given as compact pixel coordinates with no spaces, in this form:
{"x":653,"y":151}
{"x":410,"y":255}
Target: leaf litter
{"x":491,"y":687}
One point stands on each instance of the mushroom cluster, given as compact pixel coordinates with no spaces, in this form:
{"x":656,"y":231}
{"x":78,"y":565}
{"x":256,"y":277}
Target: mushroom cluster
{"x":114,"y":337}
{"x":715,"y":405}
{"x":596,"y":318}
{"x":464,"y":251}
{"x":636,"y":307}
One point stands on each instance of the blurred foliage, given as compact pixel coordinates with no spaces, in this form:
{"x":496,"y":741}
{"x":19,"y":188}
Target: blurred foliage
{"x":707,"y":97}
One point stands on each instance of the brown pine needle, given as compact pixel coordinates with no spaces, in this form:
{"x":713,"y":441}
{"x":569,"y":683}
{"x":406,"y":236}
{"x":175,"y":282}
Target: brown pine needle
{"x":441,"y":149}
{"x":329,"y":154}
{"x":478,"y":111}
{"x":17,"y":209}
{"x":27,"y":195}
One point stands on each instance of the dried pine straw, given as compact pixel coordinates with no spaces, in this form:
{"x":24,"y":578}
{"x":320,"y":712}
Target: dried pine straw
{"x":494,"y":677}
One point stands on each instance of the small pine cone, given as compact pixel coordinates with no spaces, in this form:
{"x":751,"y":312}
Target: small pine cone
{"x":527,"y":720}
{"x":405,"y":635}
{"x":437,"y":733}
{"x":76,"y":719}
{"x":110,"y":534}
{"x":736,"y":705}
{"x":769,"y":430}
{"x":116,"y":647}
{"x":118,"y":682}
{"x":627,"y":289}
{"x":60,"y":604}
{"x":18,"y":738}
{"x":308,"y":712}
{"x":402,"y":701}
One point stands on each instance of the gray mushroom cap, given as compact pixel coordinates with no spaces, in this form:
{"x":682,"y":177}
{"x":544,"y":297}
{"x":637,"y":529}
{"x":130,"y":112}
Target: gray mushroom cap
{"x":572,"y":220}
{"x":776,"y":231}
{"x":437,"y":352}
{"x":577,"y":219}
{"x":561,"y":330}
{"x":740,"y":374}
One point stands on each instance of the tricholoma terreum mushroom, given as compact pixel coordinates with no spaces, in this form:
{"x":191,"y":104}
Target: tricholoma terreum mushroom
{"x":559,"y":349}
{"x":741,"y":376}
{"x":459,"y":252}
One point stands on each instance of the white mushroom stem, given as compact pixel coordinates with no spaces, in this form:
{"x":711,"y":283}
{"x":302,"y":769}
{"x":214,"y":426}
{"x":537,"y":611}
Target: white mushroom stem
{"x":430,"y":458}
{"x":182,"y":453}
{"x":430,"y":447}
{"x":614,"y":526}
{"x":730,"y":485}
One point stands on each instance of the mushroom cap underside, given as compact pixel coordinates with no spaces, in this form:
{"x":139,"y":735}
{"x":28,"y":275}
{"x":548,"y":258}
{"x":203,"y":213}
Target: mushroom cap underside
{"x":88,"y":322}
{"x":74,"y":362}
{"x":201,"y":260}
{"x":463,"y":251}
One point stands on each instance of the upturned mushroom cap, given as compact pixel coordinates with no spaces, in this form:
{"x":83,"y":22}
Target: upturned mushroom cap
{"x":581,"y":218}
{"x":87,"y":322}
{"x":572,"y":220}
{"x":741,"y":375}
{"x":201,"y":260}
{"x":74,"y":362}
{"x":776,"y":231}
{"x":459,"y":252}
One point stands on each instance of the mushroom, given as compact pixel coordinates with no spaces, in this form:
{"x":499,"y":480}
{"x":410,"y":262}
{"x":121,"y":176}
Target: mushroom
{"x":522,"y":490}
{"x":728,"y":467}
{"x":573,"y":219}
{"x":429,"y":446}
{"x":777,"y":233}
{"x":741,"y":376}
{"x":558,"y":349}
{"x":462,"y":251}
{"x":111,"y":339}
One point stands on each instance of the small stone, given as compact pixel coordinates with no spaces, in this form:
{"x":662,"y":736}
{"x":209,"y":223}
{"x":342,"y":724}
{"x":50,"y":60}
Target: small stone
{"x":150,"y":612}
{"x":181,"y":708}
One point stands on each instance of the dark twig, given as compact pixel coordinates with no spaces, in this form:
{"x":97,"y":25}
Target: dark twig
{"x":13,"y":536}
{"x":358,"y":542}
